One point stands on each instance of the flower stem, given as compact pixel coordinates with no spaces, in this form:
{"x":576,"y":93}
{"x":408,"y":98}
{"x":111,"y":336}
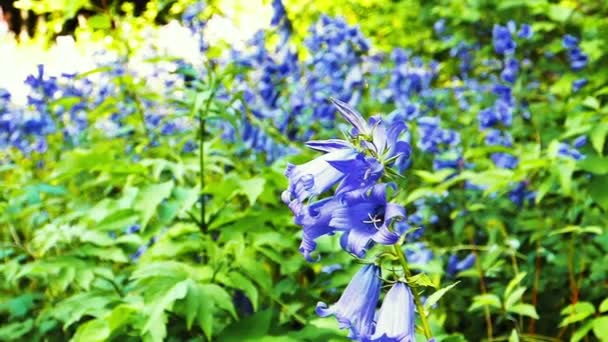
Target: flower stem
{"x":419,"y":307}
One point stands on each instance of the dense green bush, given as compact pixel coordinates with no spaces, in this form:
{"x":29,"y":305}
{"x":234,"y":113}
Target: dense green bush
{"x":144,"y":200}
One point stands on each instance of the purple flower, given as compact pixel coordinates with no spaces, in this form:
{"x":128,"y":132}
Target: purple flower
{"x":580,"y":141}
{"x":578,"y":84}
{"x":314,"y":220}
{"x":366,"y":217}
{"x":316,"y":176}
{"x":503,"y":42}
{"x":520,"y":194}
{"x":565,"y":150}
{"x":356,"y":307}
{"x":455,"y":265}
{"x":578,"y":59}
{"x":569,"y":42}
{"x":396,"y":318}
{"x":504,"y":160}
{"x":525,"y":31}
{"x":509,"y":73}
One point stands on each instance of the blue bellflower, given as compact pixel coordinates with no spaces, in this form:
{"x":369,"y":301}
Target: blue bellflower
{"x":502,"y":40}
{"x":396,"y":318}
{"x":314,"y":220}
{"x":456,"y":265}
{"x":316,"y":176}
{"x":366,"y":217}
{"x":356,"y":307}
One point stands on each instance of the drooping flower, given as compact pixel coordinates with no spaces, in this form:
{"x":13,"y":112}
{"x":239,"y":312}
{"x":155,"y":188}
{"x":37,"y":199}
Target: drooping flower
{"x":316,"y":176}
{"x":314,"y":220}
{"x":356,"y":307}
{"x":366,"y":217}
{"x":396,"y":318}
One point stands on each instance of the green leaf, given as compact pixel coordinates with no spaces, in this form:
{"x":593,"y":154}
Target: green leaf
{"x":566,"y":169}
{"x":514,"y":337}
{"x":487,"y":299}
{"x":598,"y":137}
{"x":581,"y":332}
{"x":559,"y":12}
{"x":514,"y":297}
{"x":421,"y":279}
{"x":577,"y":312}
{"x":100,"y":21}
{"x":13,"y":331}
{"x":91,"y":331}
{"x":513,"y":283}
{"x":524,"y":310}
{"x":591,"y":102}
{"x":249,"y":328}
{"x":155,"y":323}
{"x":436,"y":296}
{"x":603,"y":306}
{"x":252,"y":188}
{"x":594,"y":164}
{"x":239,"y":281}
{"x":149,"y":198}
{"x":600,"y":328}
{"x":598,"y":189}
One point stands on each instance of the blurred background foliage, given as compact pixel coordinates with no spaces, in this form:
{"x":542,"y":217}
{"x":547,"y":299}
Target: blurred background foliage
{"x":156,"y":214}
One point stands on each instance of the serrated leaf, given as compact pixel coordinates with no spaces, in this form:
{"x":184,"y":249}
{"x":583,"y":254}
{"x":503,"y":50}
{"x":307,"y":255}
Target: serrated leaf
{"x":436,"y":296}
{"x":524,"y":310}
{"x":156,"y":316}
{"x":149,"y":198}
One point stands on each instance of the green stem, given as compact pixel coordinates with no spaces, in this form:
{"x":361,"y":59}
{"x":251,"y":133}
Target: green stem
{"x":419,"y":307}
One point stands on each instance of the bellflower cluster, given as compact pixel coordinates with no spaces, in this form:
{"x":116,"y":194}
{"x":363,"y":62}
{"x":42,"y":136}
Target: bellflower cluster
{"x":521,"y":194}
{"x":359,"y":207}
{"x":578,"y":59}
{"x":335,"y":67}
{"x":360,"y":211}
{"x":571,"y":151}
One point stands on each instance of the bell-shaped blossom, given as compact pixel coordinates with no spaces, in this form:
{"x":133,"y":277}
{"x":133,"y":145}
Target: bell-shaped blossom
{"x":356,"y":307}
{"x":316,"y":176}
{"x":397,"y":316}
{"x":365,"y":217}
{"x":314,"y":220}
